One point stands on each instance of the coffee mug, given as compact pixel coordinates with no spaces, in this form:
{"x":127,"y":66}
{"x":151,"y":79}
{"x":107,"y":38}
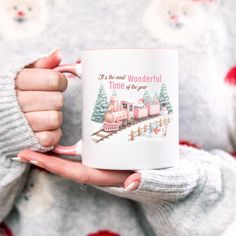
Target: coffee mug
{"x":129,"y":109}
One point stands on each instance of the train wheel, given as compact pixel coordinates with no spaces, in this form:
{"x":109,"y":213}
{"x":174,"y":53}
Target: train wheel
{"x":132,"y":121}
{"x":125,"y":123}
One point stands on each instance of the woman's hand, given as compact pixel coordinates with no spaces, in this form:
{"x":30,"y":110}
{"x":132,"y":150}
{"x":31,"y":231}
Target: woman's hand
{"x":39,"y":92}
{"x":80,"y":173}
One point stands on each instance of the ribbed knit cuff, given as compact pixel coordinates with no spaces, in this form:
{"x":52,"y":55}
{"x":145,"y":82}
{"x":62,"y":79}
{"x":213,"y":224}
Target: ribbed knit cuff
{"x":15,"y":132}
{"x":211,"y":203}
{"x":196,"y":171}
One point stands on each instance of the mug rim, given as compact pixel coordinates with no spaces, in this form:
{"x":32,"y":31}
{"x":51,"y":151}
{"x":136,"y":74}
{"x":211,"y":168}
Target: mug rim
{"x":127,"y":49}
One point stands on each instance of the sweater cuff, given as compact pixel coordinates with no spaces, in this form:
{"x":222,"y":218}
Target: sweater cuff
{"x":16,"y":134}
{"x":197,"y":171}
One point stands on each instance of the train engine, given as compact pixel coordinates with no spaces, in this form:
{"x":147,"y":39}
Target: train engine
{"x":114,"y":120}
{"x":121,"y":114}
{"x":118,"y":115}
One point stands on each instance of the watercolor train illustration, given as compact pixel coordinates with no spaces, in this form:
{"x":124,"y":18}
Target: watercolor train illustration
{"x":122,"y":113}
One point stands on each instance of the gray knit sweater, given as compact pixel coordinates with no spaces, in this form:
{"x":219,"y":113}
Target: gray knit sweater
{"x":197,"y":197}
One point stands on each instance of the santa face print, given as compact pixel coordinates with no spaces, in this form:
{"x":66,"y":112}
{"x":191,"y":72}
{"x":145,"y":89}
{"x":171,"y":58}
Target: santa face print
{"x":175,"y":21}
{"x":177,"y":14}
{"x":23,"y":18}
{"x":20,"y":12}
{"x":36,"y":199}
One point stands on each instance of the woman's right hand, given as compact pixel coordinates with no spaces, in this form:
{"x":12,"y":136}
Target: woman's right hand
{"x":39,"y":92}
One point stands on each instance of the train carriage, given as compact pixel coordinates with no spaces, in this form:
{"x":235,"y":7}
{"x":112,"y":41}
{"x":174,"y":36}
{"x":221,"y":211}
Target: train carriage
{"x":123,"y":113}
{"x":153,"y":109}
{"x":140,"y":113}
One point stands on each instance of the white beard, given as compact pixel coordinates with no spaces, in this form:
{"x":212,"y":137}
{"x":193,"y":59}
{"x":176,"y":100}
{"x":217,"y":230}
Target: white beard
{"x":157,"y":23}
{"x":36,"y":198}
{"x":11,"y":29}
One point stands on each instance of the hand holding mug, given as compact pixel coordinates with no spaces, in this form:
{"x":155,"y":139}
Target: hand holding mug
{"x":79,"y":173}
{"x":137,"y":129}
{"x":39,"y":92}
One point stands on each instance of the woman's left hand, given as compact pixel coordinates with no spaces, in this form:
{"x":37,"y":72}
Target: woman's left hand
{"x":79,"y":173}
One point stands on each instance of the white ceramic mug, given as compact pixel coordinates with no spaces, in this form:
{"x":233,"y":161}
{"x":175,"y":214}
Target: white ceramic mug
{"x":129,"y":109}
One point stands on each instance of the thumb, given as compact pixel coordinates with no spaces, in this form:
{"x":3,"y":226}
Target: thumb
{"x":48,"y":62}
{"x":132,"y":182}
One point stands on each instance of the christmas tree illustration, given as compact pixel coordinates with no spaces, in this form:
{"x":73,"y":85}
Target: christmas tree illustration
{"x":146,"y":97}
{"x":164,"y":98}
{"x":101,"y":106}
{"x":155,"y":98}
{"x":114,"y":93}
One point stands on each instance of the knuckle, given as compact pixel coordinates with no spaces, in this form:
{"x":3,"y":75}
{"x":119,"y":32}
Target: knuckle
{"x":45,"y":139}
{"x":19,"y":95}
{"x":62,"y":76}
{"x":30,"y":119}
{"x":56,"y":137}
{"x":84,"y":179}
{"x":57,"y":171}
{"x":21,"y":74}
{"x":22,"y":77}
{"x":59,"y":101}
{"x":59,"y":134}
{"x":55,"y":118}
{"x":62,"y":170}
{"x":33,"y":119}
{"x":64,"y":82}
{"x":18,"y":92}
{"x":23,"y":99}
{"x":53,"y":80}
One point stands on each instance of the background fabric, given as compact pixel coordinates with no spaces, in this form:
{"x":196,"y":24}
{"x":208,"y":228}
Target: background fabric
{"x":53,"y":206}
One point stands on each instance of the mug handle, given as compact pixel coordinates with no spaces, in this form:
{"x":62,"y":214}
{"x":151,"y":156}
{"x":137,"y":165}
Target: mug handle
{"x":74,"y":150}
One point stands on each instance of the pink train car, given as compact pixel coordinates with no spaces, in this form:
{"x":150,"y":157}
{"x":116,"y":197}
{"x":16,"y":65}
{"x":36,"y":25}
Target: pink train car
{"x":153,"y":109}
{"x":140,"y":113}
{"x":114,"y":120}
{"x":111,"y":126}
{"x":120,"y":114}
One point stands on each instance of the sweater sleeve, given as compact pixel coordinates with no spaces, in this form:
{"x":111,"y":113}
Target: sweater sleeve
{"x":200,"y":191}
{"x":15,"y":134}
{"x":175,"y":183}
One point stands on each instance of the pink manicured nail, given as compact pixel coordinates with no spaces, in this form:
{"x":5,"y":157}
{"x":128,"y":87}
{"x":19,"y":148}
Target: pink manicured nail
{"x":53,"y":51}
{"x":36,"y":163}
{"x":59,"y":54}
{"x":132,"y":186}
{"x":18,"y":159}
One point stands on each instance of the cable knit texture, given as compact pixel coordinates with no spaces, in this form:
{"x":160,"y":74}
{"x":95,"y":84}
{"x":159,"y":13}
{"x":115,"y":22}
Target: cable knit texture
{"x":16,"y":134}
{"x":180,"y":199}
{"x":14,"y":128}
{"x":194,"y":198}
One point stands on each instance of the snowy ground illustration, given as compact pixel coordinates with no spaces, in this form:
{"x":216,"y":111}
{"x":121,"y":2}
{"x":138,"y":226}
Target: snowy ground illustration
{"x":153,"y":128}
{"x":144,"y":116}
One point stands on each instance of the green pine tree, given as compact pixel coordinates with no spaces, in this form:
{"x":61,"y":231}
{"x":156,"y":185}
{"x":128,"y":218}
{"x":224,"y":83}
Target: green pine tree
{"x":114,"y":93}
{"x":101,"y":106}
{"x":155,"y":97}
{"x":146,"y":97}
{"x":164,"y":98}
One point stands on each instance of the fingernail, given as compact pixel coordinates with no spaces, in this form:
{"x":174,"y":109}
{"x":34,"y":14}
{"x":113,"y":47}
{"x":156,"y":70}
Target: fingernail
{"x":36,"y":163}
{"x":18,"y":159}
{"x":133,"y":186}
{"x":53,"y":51}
